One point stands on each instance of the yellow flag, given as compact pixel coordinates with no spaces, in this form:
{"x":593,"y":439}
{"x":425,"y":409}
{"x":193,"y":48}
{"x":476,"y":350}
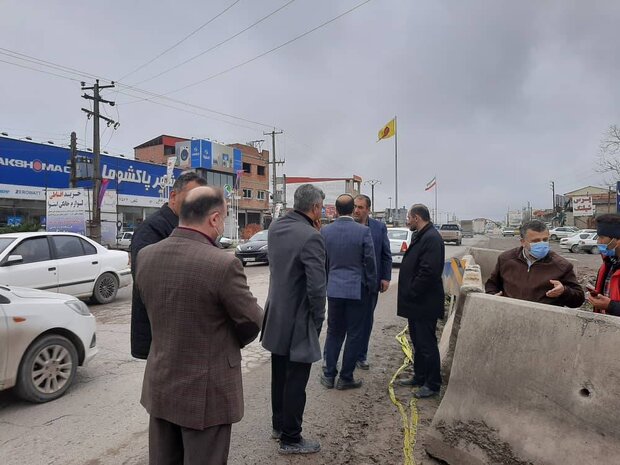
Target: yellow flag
{"x":388,"y":130}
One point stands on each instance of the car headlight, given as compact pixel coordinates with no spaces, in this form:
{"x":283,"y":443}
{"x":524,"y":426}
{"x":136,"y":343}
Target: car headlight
{"x":263,"y":247}
{"x":78,"y":307}
{"x":238,"y":248}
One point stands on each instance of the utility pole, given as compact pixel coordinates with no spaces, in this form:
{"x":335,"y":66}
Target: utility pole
{"x":95,"y":225}
{"x":372,"y":183}
{"x":72,"y":179}
{"x":273,"y":164}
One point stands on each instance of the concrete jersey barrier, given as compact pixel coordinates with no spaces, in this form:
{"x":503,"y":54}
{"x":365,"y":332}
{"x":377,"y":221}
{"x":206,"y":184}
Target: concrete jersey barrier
{"x":530,"y":384}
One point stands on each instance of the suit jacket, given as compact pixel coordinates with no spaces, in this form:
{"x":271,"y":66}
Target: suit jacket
{"x":420,"y":287}
{"x":383,"y":254}
{"x":155,"y":228}
{"x":202,"y":312}
{"x":295,"y":307}
{"x":350,"y":259}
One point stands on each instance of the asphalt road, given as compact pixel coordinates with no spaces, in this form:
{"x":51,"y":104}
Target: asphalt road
{"x":100,"y":421}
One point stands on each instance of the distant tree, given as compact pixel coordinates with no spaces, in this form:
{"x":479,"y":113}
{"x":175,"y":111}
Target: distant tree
{"x":608,"y":161}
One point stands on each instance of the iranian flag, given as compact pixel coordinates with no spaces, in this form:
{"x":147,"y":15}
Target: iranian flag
{"x":432,"y":183}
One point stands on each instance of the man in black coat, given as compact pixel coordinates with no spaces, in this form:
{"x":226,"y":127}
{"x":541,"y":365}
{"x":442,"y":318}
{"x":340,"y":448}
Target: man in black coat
{"x":421,"y":299}
{"x":155,"y":228}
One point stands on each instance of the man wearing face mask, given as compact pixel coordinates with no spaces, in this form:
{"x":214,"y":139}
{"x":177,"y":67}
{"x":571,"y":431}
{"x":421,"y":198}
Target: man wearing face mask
{"x":533,"y":272}
{"x":605,"y":298}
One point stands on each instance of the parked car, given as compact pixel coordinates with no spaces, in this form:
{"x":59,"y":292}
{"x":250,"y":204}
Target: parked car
{"x":451,"y":233}
{"x":225,"y":242}
{"x":508,"y":232}
{"x":589,"y":245}
{"x":63,"y":262}
{"x":400,"y":239}
{"x":254,"y":250}
{"x":44,"y":337}
{"x":572,"y":243}
{"x":561,"y":232}
{"x":123,"y":240}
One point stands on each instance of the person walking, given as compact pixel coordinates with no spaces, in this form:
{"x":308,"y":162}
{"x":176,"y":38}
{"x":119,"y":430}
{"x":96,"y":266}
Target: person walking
{"x":421,"y":299}
{"x":201,"y":313}
{"x":351,"y":280}
{"x":294,"y":314}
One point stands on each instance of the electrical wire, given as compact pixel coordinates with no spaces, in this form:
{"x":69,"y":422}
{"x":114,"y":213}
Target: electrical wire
{"x":202,"y":26}
{"x":172,"y":68}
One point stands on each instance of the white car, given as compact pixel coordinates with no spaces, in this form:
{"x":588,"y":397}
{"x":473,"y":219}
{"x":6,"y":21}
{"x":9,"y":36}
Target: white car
{"x":400,"y":239}
{"x":589,"y":245}
{"x":123,"y":240}
{"x":44,"y":336}
{"x":561,"y":232}
{"x":63,"y":262}
{"x":572,"y":243}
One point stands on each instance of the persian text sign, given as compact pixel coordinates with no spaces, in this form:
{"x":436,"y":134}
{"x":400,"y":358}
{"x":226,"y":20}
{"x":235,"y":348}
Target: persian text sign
{"x":582,"y":206}
{"x":67,"y":210}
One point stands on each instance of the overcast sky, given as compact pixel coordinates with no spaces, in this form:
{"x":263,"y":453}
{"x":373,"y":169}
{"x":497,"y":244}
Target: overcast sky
{"x":497,"y":98}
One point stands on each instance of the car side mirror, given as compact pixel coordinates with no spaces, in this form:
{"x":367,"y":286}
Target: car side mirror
{"x":13,"y":259}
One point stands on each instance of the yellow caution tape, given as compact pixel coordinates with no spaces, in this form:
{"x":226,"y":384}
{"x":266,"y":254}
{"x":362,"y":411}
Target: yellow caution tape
{"x":410,"y":423}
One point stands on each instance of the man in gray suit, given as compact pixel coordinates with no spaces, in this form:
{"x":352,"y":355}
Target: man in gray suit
{"x":201,"y":312}
{"x":351,"y":279}
{"x":294,"y":314}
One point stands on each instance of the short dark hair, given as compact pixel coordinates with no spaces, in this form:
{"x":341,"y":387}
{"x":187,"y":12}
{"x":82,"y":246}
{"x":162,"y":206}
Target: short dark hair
{"x":532,"y":225}
{"x":608,"y":218}
{"x":345,"y":204}
{"x":185,"y":178}
{"x":420,"y":210}
{"x":364,"y":197}
{"x":197,"y":208}
{"x":306,"y":197}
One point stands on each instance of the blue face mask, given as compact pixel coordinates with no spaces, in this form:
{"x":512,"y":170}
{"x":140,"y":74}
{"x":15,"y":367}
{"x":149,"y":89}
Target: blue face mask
{"x":539,"y":250}
{"x":602,"y":248}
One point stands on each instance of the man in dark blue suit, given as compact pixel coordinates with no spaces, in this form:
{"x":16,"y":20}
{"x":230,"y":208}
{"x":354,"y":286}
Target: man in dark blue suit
{"x":383,"y":259}
{"x":351,"y":278}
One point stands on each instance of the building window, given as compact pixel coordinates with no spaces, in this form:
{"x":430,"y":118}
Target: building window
{"x":247,"y":193}
{"x":261,"y":170}
{"x":247,"y":168}
{"x":260,"y":195}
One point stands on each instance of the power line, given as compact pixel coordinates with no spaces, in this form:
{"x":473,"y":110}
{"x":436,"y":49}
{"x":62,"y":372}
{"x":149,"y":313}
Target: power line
{"x":172,"y":68}
{"x":202,"y":26}
{"x":288,"y":42}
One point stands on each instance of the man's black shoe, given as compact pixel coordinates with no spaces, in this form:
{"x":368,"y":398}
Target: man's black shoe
{"x":425,"y":392}
{"x":410,"y":382}
{"x":362,"y":365}
{"x":276,"y":434}
{"x":327,"y":381}
{"x":304,"y":446}
{"x":342,"y":384}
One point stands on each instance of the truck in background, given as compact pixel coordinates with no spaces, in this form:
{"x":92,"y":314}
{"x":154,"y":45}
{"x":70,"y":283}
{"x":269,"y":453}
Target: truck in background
{"x":451,"y":233}
{"x":467,"y":228}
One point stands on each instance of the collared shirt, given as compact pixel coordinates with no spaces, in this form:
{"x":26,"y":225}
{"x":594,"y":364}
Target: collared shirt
{"x":200,"y":232}
{"x":530,"y":260}
{"x":306,"y":217}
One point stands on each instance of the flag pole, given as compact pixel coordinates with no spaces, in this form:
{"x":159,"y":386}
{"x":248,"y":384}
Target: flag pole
{"x":396,"y":173}
{"x":436,"y":212}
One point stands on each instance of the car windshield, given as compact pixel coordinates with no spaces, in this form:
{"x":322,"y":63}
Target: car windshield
{"x":397,"y":235}
{"x":5,"y":242}
{"x":450,"y":227}
{"x":259,"y":236}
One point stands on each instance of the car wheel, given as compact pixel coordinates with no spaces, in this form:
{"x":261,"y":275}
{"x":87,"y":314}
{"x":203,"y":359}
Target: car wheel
{"x":458,"y":242}
{"x":594,"y":250}
{"x":47,"y":369}
{"x":574,"y":248}
{"x":553,"y":237}
{"x":105,"y":289}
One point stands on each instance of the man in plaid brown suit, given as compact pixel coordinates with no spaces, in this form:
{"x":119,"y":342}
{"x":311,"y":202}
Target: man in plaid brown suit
{"x":201,"y":312}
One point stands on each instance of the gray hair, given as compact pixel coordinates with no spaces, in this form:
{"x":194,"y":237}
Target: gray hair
{"x":532,"y":225}
{"x":307,"y":196}
{"x":185,"y":178}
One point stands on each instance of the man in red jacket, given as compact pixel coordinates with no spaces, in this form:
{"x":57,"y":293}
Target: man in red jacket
{"x":533,"y":272}
{"x":606,"y":296}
